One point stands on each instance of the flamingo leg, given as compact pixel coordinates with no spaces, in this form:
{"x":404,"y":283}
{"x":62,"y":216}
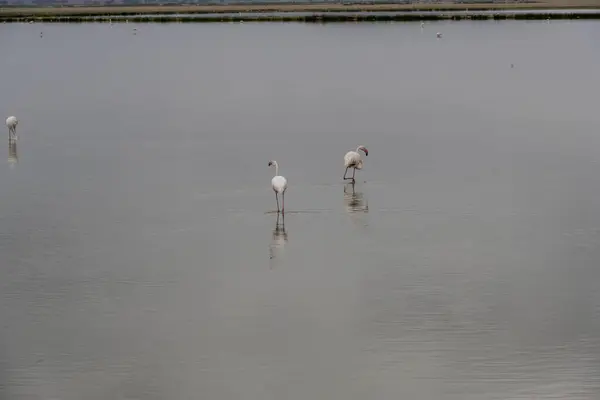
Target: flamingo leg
{"x":277,"y":199}
{"x":345,"y":172}
{"x":353,"y":172}
{"x":282,"y":202}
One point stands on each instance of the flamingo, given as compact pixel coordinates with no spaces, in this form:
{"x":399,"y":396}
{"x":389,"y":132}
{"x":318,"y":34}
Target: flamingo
{"x":279,"y":185}
{"x":11,"y":123}
{"x":439,"y":35}
{"x":352,"y":160}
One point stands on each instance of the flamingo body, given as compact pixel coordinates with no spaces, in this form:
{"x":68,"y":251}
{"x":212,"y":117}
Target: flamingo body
{"x":352,"y":160}
{"x":279,"y":184}
{"x":11,"y":123}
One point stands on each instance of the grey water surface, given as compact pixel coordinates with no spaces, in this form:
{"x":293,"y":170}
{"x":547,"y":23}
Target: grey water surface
{"x":141,"y":257}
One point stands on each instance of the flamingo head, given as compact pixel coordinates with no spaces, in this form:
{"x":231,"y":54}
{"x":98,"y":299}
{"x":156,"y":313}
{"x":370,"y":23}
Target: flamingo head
{"x":270,"y":163}
{"x":364,"y":149}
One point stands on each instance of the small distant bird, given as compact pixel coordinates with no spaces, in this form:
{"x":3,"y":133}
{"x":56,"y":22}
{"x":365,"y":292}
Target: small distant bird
{"x":11,"y":123}
{"x":352,"y":160}
{"x":422,"y":24}
{"x":439,"y":35}
{"x":279,"y":185}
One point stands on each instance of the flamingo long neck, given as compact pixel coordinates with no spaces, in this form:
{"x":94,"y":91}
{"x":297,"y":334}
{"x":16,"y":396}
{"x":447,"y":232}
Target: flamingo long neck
{"x":276,"y":168}
{"x":358,"y":148}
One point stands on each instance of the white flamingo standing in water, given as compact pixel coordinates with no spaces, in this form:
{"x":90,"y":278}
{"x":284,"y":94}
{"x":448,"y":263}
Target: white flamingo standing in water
{"x":353,"y":160}
{"x":11,"y":123}
{"x":279,"y":185}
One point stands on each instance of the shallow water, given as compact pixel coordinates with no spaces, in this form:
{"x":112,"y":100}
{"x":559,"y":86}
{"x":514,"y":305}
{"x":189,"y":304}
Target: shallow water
{"x":142,"y":257}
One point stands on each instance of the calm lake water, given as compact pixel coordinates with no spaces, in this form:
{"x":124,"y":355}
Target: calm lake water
{"x":141,"y":258}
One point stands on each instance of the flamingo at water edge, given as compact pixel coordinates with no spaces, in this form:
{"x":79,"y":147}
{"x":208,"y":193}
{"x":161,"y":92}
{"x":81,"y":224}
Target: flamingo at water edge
{"x":279,"y":185}
{"x":353,"y":160}
{"x":11,"y":123}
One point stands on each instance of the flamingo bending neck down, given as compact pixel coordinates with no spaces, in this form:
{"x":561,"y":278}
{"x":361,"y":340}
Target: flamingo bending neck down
{"x":11,"y":123}
{"x":279,"y":185}
{"x":353,"y":160}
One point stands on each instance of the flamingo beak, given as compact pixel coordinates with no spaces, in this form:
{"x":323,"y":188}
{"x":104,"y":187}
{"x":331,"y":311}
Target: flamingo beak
{"x":366,"y":151}
{"x":270,"y":163}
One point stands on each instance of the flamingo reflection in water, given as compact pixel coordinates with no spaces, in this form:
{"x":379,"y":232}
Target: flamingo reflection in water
{"x":280,"y":237}
{"x":13,"y":156}
{"x":355,"y":201}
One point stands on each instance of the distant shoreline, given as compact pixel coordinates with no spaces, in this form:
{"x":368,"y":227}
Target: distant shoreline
{"x":581,"y":9}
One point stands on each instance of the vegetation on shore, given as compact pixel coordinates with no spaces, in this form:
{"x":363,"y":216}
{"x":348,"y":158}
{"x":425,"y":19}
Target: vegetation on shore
{"x":313,"y":12}
{"x":316,"y":18}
